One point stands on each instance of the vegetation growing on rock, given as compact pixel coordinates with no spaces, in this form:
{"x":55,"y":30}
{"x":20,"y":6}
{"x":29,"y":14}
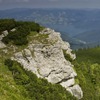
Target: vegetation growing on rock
{"x":7,"y":24}
{"x":67,"y":56}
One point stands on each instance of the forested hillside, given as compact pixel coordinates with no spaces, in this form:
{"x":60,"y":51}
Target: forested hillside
{"x":87,"y":65}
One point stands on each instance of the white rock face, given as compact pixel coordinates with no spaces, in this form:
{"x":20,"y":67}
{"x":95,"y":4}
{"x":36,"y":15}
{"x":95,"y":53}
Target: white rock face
{"x":2,"y":45}
{"x":68,"y":83}
{"x":76,"y":91}
{"x":48,"y":61}
{"x":13,"y":30}
{"x":4,"y":33}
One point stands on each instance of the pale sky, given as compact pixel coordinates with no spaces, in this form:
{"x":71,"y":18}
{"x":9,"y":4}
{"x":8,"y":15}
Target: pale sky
{"x":5,"y":4}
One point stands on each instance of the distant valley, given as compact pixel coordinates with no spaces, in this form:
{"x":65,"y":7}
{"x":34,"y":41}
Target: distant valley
{"x":79,"y":27}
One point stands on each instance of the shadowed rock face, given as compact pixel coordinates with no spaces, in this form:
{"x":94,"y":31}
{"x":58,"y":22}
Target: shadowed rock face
{"x":48,"y":61}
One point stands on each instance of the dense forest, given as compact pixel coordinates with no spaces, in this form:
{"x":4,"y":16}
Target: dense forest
{"x":87,"y":66}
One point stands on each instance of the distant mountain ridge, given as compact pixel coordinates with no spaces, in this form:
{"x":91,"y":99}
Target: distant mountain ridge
{"x":70,"y":22}
{"x":91,"y":38}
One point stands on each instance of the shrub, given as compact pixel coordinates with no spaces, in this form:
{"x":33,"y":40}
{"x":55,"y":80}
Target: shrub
{"x":8,"y":63}
{"x":23,"y":29}
{"x":7,"y":24}
{"x":67,"y":56}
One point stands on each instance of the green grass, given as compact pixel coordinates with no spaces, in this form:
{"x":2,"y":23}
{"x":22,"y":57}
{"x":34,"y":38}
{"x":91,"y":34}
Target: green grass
{"x":8,"y":88}
{"x":33,"y":88}
{"x":35,"y":37}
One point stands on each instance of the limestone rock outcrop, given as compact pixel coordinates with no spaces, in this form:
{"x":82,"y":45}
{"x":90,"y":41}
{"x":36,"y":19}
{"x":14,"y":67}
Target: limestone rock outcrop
{"x":48,"y":61}
{"x":76,"y":91}
{"x":4,"y":33}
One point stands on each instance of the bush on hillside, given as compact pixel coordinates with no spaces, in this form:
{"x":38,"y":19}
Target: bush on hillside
{"x":7,"y":24}
{"x":19,"y":36}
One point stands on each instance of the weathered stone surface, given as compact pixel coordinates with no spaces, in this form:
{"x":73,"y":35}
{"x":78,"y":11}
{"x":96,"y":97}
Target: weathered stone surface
{"x":76,"y":91}
{"x":1,"y":37}
{"x":13,"y":30}
{"x":5,"y":51}
{"x":68,"y":83}
{"x":2,"y":45}
{"x":4,"y":33}
{"x":48,"y":61}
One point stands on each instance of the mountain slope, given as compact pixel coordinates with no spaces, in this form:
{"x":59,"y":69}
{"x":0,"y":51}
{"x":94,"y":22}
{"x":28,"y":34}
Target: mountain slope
{"x":9,"y":90}
{"x":31,"y":49}
{"x":49,"y":57}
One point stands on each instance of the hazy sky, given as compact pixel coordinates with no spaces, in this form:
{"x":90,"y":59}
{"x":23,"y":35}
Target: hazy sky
{"x":4,"y":4}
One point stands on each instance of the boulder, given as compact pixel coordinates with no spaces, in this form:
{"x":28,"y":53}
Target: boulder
{"x":76,"y":91}
{"x":2,"y":45}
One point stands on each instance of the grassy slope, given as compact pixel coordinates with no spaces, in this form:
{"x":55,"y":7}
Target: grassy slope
{"x":23,"y":85}
{"x":87,"y":66}
{"x":8,"y":88}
